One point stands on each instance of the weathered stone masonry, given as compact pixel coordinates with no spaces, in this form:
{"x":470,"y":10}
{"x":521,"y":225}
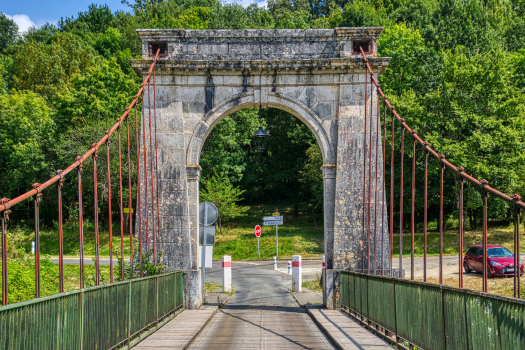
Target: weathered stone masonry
{"x":205,"y":75}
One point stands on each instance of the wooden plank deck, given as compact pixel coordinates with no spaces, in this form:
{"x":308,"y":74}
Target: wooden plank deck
{"x":179,"y":332}
{"x":345,"y":333}
{"x":256,"y":329}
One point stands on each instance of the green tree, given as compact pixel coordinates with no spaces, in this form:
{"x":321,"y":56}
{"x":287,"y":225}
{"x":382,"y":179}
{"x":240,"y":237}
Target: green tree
{"x":221,"y":192}
{"x":8,"y":32}
{"x":25,"y":135}
{"x":47,"y":69}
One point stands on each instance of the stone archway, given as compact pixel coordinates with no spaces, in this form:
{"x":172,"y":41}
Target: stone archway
{"x":316,"y":75}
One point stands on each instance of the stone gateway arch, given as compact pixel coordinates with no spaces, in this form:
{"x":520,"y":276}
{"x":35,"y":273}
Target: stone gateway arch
{"x":316,"y":75}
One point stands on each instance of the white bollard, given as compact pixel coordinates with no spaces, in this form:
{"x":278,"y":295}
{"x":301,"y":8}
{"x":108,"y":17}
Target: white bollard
{"x":226,"y":273}
{"x":324,"y":263}
{"x":297,"y":271}
{"x":274,"y":263}
{"x":289,"y":267}
{"x":33,"y":247}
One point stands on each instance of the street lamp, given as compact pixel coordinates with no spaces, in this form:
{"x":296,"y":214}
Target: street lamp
{"x":261,"y":138}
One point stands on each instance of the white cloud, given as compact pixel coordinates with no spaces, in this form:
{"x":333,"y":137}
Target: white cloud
{"x":246,"y":3}
{"x":22,"y":21}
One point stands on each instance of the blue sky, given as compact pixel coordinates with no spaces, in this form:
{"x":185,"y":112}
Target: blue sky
{"x":37,"y":12}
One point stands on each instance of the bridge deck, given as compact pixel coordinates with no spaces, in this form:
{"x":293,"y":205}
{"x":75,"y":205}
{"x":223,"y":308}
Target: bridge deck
{"x":179,"y":332}
{"x":255,"y":329}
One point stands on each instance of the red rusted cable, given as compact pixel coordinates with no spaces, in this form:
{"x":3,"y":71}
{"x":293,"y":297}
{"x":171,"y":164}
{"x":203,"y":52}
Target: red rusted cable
{"x":37,"y":239}
{"x":383,"y":195}
{"x":461,"y":233}
{"x":441,"y":223}
{"x":80,"y":159}
{"x":152,"y":186}
{"x":370,"y":174}
{"x":80,"y":222}
{"x":121,"y":206}
{"x":97,"y":261}
{"x":156,"y":155}
{"x":130,"y":200}
{"x":485,"y":233}
{"x":139,"y":210}
{"x":401,"y":204}
{"x":60,"y":235}
{"x":146,"y":205}
{"x":392,"y":198}
{"x":449,"y":165}
{"x":412,"y":217}
{"x":378,"y":122}
{"x":5,"y":218}
{"x":108,"y":142}
{"x":364,"y":173}
{"x":425,"y":219}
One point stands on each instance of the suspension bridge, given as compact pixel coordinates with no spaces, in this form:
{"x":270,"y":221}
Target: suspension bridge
{"x":192,"y":79}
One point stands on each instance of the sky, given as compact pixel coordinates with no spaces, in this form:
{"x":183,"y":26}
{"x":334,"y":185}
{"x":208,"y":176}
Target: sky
{"x":27,"y":13}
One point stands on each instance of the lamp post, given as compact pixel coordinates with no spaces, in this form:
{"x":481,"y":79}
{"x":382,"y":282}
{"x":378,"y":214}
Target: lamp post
{"x":261,"y":138}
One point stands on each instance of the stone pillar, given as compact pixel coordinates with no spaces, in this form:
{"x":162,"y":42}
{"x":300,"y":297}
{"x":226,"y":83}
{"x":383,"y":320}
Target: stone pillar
{"x":329,"y":212}
{"x":192,"y":290}
{"x":194,"y":174}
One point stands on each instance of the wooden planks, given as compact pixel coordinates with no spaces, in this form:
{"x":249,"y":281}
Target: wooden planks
{"x":179,"y":332}
{"x":256,"y":329}
{"x":344,"y":332}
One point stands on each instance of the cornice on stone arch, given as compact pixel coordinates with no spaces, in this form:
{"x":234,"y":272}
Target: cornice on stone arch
{"x":246,"y":100}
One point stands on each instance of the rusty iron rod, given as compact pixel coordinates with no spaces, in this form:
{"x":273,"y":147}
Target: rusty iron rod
{"x":139,"y":210}
{"x":151,"y":173}
{"x":442,"y":168}
{"x":461,"y":229}
{"x":485,"y":233}
{"x":517,"y":265}
{"x":392,"y":199}
{"x":4,"y":255}
{"x":449,"y":165}
{"x":378,"y":123}
{"x":383,"y":196}
{"x":121,"y":205}
{"x":37,"y":240}
{"x":364,"y":173}
{"x":425,"y":218}
{"x":80,"y":223}
{"x":97,"y":261}
{"x":110,"y":221}
{"x":156,"y":156}
{"x":60,"y":235}
{"x":146,"y":205}
{"x":412,"y":216}
{"x":130,"y":201}
{"x":370,"y":175}
{"x":401,"y":204}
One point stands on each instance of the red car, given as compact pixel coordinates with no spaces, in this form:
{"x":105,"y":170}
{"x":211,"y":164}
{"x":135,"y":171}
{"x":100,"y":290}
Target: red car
{"x":500,"y":260}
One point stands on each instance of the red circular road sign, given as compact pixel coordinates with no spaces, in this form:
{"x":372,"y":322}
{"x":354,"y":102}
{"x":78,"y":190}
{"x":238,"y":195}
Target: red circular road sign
{"x":257,"y":231}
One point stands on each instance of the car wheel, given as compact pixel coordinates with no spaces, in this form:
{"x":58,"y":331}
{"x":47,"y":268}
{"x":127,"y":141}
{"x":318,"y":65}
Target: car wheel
{"x":489,"y":274}
{"x":466,"y":267}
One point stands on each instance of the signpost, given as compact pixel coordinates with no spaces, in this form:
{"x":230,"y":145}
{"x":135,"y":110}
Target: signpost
{"x":208,"y":214}
{"x":258,"y":234}
{"x":275,"y":220}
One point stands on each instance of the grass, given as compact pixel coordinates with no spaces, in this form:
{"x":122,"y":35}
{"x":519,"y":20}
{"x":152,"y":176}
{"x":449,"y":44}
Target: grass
{"x":211,"y":287}
{"x":314,"y":285}
{"x":20,"y":238}
{"x":497,"y":285}
{"x":297,"y":236}
{"x":503,"y":236}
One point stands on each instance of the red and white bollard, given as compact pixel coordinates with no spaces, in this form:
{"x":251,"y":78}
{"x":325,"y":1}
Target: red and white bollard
{"x":226,"y":273}
{"x":297,"y":271}
{"x":324,"y":263}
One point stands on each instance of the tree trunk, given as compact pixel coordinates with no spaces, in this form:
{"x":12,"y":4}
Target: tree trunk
{"x":313,"y":212}
{"x":295,"y":206}
{"x":220,"y":225}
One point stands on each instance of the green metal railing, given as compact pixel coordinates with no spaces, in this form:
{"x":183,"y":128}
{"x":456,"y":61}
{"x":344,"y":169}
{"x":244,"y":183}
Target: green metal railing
{"x":430,"y":316}
{"x":102,"y":317}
